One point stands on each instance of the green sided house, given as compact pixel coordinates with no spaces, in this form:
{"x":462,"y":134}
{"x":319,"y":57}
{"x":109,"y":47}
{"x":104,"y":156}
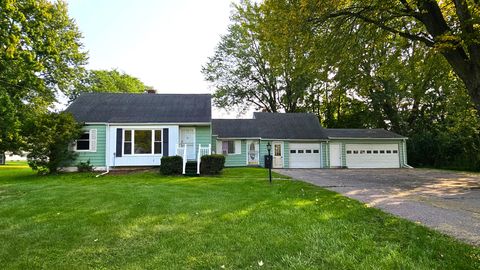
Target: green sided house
{"x":127,"y":130}
{"x":298,"y":141}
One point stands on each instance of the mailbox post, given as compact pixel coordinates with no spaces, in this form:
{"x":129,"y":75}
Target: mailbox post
{"x":269,"y":161}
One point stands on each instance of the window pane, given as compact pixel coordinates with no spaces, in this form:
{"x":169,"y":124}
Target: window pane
{"x":293,"y":151}
{"x":308,"y":151}
{"x":389,"y":151}
{"x":349,"y":152}
{"x":158,"y":135}
{"x":143,"y":142}
{"x":382,"y":151}
{"x":375,"y":151}
{"x":158,"y":147}
{"x":83,"y":145}
{"x":127,"y":148}
{"x":300,"y":151}
{"x":278,"y":150}
{"x":231,"y":147}
{"x":85,"y":136}
{"x":128,"y":135}
{"x":315,"y":151}
{"x":369,"y":151}
{"x":395,"y":151}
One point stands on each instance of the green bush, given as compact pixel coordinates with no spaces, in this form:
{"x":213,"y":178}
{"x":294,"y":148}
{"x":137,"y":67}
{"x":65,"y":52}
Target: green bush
{"x":85,"y":166}
{"x":48,"y":142}
{"x":171,"y":165}
{"x":212,"y":164}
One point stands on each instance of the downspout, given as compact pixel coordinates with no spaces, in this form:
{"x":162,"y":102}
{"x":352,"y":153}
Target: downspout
{"x":404,"y":146}
{"x":107,"y":148}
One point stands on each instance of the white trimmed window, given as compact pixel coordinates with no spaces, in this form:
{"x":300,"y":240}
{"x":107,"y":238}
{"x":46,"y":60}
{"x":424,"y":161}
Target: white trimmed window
{"x":142,"y":141}
{"x":87,"y":141}
{"x":231,"y":147}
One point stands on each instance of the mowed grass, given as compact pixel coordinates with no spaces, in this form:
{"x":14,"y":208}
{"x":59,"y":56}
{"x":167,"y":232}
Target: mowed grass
{"x":235,"y":221}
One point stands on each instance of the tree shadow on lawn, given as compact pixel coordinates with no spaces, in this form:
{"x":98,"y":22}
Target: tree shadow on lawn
{"x":181,"y":222}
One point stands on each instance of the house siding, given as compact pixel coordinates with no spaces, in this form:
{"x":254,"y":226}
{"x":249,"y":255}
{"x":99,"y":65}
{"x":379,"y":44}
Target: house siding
{"x":237,"y":160}
{"x":97,"y":158}
{"x":203,"y":136}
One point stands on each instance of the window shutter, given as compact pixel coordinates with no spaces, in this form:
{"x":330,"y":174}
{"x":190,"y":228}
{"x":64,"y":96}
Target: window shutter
{"x":165,"y":142}
{"x":238,"y":147}
{"x":118,"y":152}
{"x":93,"y":140}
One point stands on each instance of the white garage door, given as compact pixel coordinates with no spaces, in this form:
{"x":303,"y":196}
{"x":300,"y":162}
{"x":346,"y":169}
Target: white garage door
{"x":372,"y":156}
{"x":304,"y":155}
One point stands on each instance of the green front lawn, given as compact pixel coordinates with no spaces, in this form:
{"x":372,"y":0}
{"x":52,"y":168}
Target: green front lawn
{"x":234,"y":221}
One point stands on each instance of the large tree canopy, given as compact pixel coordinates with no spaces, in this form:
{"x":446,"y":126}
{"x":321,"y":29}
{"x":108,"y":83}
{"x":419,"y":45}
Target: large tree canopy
{"x":267,"y":59}
{"x":40,"y":55}
{"x":357,"y":74}
{"x":451,"y":28}
{"x":112,"y":81}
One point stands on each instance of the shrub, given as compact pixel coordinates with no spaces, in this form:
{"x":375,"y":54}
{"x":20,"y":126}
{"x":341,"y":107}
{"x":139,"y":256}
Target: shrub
{"x":85,"y":166}
{"x":49,"y":137}
{"x":212,"y":164}
{"x":171,"y":165}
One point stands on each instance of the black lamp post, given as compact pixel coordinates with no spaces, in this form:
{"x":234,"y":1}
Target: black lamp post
{"x":269,"y":148}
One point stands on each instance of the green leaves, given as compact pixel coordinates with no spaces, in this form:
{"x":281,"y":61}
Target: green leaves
{"x":49,"y":139}
{"x":40,"y":54}
{"x":112,"y":81}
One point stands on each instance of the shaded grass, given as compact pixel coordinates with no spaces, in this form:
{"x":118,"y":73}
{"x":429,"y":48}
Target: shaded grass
{"x":234,"y":220}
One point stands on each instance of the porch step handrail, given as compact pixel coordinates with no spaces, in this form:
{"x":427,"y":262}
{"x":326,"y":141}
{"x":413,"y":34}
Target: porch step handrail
{"x":182,"y":151}
{"x":202,"y":151}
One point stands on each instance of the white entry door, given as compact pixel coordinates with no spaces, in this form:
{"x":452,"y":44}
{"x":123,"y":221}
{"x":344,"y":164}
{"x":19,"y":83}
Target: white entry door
{"x":335,"y":155}
{"x":187,"y":137}
{"x":252,"y":153}
{"x":277,"y":155}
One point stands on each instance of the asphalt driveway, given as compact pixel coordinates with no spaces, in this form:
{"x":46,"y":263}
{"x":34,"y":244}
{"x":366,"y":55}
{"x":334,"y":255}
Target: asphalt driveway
{"x":446,"y":201}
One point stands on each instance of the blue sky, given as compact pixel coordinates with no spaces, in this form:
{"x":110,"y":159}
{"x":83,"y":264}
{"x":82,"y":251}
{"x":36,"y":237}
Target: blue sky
{"x":164,"y":43}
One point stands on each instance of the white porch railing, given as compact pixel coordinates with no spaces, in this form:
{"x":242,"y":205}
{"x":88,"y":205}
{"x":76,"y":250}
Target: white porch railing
{"x":182,"y":151}
{"x":202,"y":151}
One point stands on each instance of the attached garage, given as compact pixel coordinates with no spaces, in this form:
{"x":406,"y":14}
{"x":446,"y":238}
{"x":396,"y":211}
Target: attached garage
{"x":372,"y":155}
{"x":305,"y":155}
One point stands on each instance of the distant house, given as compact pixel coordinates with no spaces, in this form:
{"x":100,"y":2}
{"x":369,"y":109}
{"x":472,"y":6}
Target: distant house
{"x":138,"y":129}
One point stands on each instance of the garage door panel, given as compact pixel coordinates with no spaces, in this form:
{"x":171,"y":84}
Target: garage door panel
{"x":304,"y":155}
{"x":372,"y":156}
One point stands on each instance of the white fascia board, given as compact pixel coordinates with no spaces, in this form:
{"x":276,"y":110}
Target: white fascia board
{"x":295,"y":140}
{"x":149,"y":124}
{"x":346,"y":138}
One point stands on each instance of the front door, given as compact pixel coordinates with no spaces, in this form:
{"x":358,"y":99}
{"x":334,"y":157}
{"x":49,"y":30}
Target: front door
{"x":187,"y":137}
{"x":252,"y":155}
{"x":277,"y":155}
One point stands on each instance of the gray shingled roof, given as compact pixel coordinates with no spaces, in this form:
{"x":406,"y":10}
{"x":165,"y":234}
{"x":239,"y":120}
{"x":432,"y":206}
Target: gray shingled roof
{"x":235,"y":128}
{"x":142,"y":108}
{"x":362,"y":133}
{"x":290,"y":126}
{"x":270,"y":126}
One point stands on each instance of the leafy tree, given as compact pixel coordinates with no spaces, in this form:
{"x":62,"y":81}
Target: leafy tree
{"x":107,"y":81}
{"x":49,"y":140}
{"x":450,"y":28}
{"x":40,"y":55}
{"x":267,"y":59}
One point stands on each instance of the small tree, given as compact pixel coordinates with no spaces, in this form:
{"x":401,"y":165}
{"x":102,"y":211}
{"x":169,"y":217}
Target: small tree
{"x":49,"y":139}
